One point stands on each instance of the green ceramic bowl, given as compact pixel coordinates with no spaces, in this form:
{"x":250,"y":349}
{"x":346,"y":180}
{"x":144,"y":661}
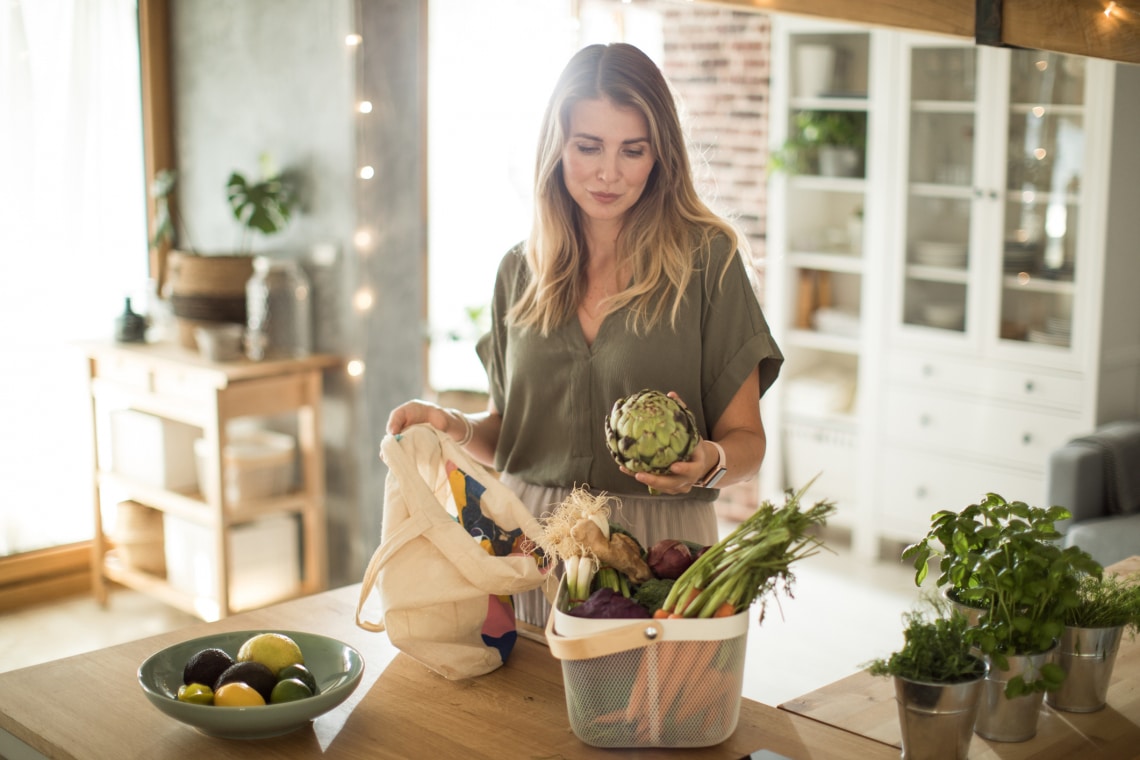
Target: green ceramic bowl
{"x":336,"y":666}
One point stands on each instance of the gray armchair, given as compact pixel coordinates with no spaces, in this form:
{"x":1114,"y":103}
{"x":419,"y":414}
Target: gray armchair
{"x":1097,"y":477}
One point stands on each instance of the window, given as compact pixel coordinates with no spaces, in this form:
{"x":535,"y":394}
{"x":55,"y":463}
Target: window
{"x":72,"y":246}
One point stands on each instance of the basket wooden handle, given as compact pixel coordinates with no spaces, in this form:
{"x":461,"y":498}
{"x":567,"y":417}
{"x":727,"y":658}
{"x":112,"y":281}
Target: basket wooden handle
{"x":639,"y":634}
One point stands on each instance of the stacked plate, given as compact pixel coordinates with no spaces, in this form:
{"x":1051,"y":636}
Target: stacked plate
{"x":1057,"y":332}
{"x":939,"y":254}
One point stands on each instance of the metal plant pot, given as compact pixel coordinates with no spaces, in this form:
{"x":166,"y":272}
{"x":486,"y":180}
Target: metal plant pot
{"x":937,"y":720}
{"x":972,"y":614}
{"x":1003,"y":719}
{"x":1087,"y":655}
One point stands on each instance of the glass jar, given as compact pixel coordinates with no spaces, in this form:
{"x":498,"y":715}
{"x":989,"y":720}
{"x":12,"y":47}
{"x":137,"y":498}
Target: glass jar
{"x":278,"y":310}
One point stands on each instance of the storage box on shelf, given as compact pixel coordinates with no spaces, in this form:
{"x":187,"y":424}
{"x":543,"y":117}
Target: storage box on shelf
{"x":265,"y":564}
{"x":258,"y":464}
{"x":153,"y":450}
{"x":280,"y":481}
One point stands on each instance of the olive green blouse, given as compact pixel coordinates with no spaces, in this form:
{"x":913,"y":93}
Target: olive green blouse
{"x":554,"y":392}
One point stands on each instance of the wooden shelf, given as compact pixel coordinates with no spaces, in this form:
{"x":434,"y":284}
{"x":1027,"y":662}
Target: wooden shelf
{"x":171,"y":382}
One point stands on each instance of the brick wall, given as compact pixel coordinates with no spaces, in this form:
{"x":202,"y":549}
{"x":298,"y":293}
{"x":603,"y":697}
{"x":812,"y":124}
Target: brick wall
{"x":718,"y":61}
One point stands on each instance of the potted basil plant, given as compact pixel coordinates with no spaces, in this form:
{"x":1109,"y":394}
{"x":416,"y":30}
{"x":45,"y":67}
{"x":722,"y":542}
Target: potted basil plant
{"x":938,"y":684}
{"x":1108,"y":607}
{"x":1024,"y":583}
{"x":207,"y":289}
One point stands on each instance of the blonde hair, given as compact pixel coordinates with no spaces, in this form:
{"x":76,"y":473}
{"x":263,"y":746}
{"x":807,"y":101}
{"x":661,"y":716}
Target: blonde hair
{"x":664,"y":233}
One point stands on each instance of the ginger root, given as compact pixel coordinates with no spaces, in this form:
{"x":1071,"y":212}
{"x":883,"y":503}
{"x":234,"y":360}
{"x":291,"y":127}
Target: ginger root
{"x":619,"y":551}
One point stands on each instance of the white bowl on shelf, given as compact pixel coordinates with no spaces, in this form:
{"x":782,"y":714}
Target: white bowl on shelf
{"x":948,"y":316}
{"x":939,"y":254}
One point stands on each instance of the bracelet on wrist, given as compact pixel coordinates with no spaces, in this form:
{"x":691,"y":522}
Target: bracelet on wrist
{"x":468,"y":427}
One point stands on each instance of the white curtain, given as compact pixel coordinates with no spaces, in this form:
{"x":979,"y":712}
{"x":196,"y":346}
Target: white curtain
{"x":72,"y":246}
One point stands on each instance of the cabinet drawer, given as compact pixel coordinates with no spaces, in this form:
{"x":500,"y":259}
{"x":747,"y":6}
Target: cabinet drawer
{"x":973,"y":427}
{"x":124,"y":371}
{"x":914,"y":485}
{"x":1054,"y":389}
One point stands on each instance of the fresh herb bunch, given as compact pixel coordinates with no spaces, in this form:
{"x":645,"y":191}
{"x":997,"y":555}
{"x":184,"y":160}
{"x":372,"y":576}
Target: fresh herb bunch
{"x":935,"y":650}
{"x":1004,"y":558}
{"x":1107,"y":602}
{"x":751,"y":561}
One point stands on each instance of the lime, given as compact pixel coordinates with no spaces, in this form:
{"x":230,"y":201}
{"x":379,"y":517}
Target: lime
{"x":196,"y":694}
{"x":273,"y":650}
{"x":290,"y":690}
{"x":237,"y":694}
{"x":301,"y":673}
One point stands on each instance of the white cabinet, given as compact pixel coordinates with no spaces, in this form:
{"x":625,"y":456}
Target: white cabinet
{"x":819,"y":260}
{"x":997,"y":276}
{"x":997,"y":351}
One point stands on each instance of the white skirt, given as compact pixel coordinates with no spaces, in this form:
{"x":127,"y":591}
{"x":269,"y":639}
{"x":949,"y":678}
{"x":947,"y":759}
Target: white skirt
{"x":649,"y":518}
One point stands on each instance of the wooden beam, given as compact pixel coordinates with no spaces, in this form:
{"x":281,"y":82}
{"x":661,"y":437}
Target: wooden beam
{"x":1075,"y":26}
{"x":1079,"y":27}
{"x":157,"y":112}
{"x":953,"y":17}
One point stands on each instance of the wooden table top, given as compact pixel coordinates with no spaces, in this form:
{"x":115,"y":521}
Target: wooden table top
{"x":865,"y":705}
{"x":91,"y":706}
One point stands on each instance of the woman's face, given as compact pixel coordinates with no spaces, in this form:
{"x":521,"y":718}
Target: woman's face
{"x":606,"y":160}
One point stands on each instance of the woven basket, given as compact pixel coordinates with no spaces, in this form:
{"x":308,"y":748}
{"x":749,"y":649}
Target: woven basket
{"x":194,"y":275}
{"x":139,"y":537}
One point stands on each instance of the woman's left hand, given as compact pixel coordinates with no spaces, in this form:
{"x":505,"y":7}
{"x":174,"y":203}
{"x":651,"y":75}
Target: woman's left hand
{"x":682,"y":476}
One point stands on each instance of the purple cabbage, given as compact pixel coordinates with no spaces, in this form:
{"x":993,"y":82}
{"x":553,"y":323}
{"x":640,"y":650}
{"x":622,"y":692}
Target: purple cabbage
{"x":605,"y":603}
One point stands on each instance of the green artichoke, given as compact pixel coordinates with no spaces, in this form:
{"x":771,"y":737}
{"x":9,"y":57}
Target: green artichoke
{"x":648,"y":431}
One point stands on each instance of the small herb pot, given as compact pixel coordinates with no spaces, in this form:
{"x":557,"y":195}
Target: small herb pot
{"x":1087,"y":655}
{"x":1003,"y":719}
{"x":937,"y":719}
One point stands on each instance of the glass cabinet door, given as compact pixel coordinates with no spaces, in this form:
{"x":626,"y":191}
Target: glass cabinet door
{"x":1045,"y":154}
{"x":940,"y":175}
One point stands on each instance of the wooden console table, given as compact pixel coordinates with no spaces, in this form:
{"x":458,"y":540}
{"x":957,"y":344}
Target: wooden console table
{"x":175,"y":383}
{"x":865,"y":705}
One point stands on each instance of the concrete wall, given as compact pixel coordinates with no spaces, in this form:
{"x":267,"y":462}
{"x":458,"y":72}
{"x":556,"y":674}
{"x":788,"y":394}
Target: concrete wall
{"x":255,"y":76}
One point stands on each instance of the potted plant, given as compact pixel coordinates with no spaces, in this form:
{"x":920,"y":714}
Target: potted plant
{"x":938,"y":684}
{"x":210,"y":288}
{"x":1108,"y":606}
{"x":829,"y":143}
{"x":1004,"y":557}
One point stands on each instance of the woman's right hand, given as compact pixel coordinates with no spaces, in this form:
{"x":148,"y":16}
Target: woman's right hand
{"x":416,"y":412}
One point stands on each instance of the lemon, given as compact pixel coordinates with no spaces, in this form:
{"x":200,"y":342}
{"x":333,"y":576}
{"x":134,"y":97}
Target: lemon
{"x":237,"y":694}
{"x":289,"y":690}
{"x":273,"y":650}
{"x":196,"y":694}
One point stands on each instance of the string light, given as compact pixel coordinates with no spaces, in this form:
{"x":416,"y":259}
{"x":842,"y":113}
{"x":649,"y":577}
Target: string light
{"x":364,"y":106}
{"x":1038,"y":111}
{"x":352,"y":40}
{"x":363,"y":299}
{"x":363,"y":240}
{"x":367,"y":172}
{"x":354,"y":368}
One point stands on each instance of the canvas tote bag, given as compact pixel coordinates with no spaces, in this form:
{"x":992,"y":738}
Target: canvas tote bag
{"x":448,"y":559}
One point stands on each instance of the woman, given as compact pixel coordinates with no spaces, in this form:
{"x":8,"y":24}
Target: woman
{"x":627,"y":281}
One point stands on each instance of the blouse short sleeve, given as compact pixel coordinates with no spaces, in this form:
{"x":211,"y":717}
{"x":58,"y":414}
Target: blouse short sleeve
{"x":554,"y":391}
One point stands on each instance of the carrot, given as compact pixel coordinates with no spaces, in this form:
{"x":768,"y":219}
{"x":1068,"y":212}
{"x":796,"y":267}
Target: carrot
{"x":660,"y":613}
{"x":726,"y":609}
